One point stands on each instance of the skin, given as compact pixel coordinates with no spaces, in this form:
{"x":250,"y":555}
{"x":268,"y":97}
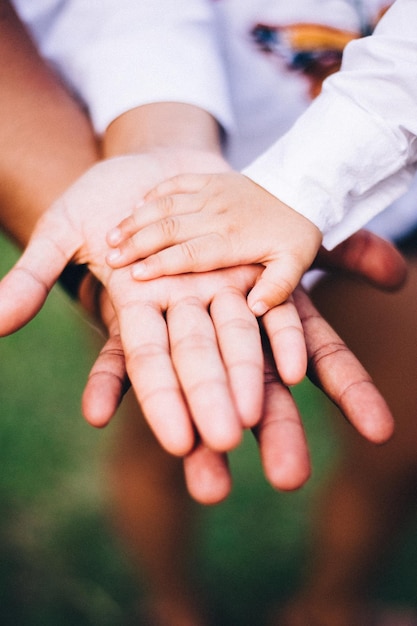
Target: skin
{"x":46,"y":140}
{"x":202,"y":222}
{"x":73,"y":230}
{"x":368,"y":498}
{"x":53,"y":146}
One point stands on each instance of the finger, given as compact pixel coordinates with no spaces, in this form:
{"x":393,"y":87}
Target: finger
{"x":285,"y":333}
{"x":25,"y":288}
{"x":367,"y":255}
{"x":108,"y":381}
{"x":134,"y":232}
{"x":275,"y":285}
{"x":203,"y":378}
{"x":334,"y":368}
{"x":281,"y":437}
{"x":182,"y":183}
{"x":207,"y":475}
{"x":239,"y":340}
{"x":106,"y":385}
{"x":196,"y":254}
{"x":149,"y":366}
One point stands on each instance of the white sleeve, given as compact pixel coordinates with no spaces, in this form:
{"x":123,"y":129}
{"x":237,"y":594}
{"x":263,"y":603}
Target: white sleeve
{"x":119,"y":54}
{"x":354,"y":150}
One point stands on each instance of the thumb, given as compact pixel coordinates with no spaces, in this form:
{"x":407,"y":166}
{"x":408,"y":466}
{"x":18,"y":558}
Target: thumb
{"x":368,"y":256}
{"x":274,"y":286}
{"x":25,"y":288}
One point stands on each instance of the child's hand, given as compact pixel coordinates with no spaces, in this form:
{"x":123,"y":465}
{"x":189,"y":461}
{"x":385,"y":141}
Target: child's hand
{"x":200,"y":222}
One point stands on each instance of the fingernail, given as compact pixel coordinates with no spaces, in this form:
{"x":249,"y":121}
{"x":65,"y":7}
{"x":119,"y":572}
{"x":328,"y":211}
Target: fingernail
{"x":114,"y":236}
{"x":114,"y":255}
{"x":138,"y":271}
{"x":259,"y":308}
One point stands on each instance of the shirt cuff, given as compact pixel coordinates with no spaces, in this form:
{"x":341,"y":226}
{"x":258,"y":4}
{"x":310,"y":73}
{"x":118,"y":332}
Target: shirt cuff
{"x":338,"y":166}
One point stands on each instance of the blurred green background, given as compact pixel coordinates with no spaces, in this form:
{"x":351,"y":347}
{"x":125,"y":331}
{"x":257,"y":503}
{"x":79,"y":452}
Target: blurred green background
{"x":61,"y":565}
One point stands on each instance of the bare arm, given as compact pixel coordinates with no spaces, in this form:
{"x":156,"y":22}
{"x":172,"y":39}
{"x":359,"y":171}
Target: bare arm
{"x":164,"y":125}
{"x":46,"y":140}
{"x":23,"y":300}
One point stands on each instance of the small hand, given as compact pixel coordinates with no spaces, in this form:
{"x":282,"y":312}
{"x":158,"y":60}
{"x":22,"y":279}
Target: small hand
{"x":196,"y":223}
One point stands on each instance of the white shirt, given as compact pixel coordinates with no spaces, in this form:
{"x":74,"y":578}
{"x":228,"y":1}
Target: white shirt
{"x":354,"y":150}
{"x":119,"y":54}
{"x":349,"y":155}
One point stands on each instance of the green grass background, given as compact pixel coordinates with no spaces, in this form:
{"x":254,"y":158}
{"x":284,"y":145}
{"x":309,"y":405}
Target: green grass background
{"x":59,"y":562}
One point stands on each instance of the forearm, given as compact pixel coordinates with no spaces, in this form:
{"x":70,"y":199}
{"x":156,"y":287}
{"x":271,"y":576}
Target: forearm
{"x":142,"y":97}
{"x":162,"y":125}
{"x":141,"y":53}
{"x":354,"y":151}
{"x":46,"y":140}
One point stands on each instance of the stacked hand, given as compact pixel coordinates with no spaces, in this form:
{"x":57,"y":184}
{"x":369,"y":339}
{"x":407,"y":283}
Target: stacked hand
{"x":189,"y":345}
{"x":200,"y":222}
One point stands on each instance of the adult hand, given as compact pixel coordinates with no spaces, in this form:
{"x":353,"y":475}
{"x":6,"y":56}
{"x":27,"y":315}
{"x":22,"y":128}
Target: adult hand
{"x":192,"y":347}
{"x":332,"y":367}
{"x":368,"y":256}
{"x":282,"y":444}
{"x":363,"y":254}
{"x":74,"y":230}
{"x":207,"y":475}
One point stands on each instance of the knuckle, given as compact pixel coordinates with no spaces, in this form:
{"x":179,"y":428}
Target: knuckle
{"x":190,"y":251}
{"x":330,"y":351}
{"x":166,"y":205}
{"x":169,"y":227}
{"x":193,"y":343}
{"x":34,"y":277}
{"x":279,"y":289}
{"x":284,"y":289}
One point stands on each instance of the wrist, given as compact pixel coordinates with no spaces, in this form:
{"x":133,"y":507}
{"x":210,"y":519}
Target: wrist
{"x":162,"y":126}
